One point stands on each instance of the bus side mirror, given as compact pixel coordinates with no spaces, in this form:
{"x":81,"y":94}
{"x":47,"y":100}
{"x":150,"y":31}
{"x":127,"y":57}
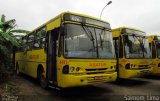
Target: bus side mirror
{"x":62,"y":30}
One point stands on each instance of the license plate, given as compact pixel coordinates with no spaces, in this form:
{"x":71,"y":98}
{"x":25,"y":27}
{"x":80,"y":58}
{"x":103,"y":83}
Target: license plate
{"x":98,"y":77}
{"x":145,"y":71}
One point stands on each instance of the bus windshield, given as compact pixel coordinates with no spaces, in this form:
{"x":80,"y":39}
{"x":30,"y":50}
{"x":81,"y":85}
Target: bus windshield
{"x":136,"y":47}
{"x":158,"y":48}
{"x":88,"y":42}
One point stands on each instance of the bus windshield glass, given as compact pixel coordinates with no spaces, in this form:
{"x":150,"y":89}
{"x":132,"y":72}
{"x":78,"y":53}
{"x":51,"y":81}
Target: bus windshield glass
{"x":136,"y":46}
{"x":82,"y":41}
{"x":158,"y":48}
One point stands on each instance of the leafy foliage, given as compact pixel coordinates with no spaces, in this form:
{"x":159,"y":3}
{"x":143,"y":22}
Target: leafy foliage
{"x":7,"y":41}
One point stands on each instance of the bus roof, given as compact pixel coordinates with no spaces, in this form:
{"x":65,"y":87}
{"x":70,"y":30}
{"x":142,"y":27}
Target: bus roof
{"x":67,"y":12}
{"x":124,"y":27}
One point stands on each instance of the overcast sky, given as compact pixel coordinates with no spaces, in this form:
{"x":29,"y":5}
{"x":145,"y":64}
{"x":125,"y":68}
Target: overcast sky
{"x":141,"y":14}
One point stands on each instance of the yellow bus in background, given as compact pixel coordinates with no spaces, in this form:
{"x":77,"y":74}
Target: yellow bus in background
{"x":69,"y":50}
{"x":132,"y":51}
{"x":154,"y":43}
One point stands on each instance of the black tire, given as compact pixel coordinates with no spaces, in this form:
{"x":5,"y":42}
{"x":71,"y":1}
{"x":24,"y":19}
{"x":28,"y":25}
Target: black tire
{"x":42,"y":79}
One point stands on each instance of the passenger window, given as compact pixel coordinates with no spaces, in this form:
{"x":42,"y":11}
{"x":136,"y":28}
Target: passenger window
{"x":36,"y":44}
{"x":40,"y":38}
{"x":116,"y":45}
{"x":43,"y":42}
{"x":30,"y":41}
{"x":120,"y":48}
{"x":24,"y":44}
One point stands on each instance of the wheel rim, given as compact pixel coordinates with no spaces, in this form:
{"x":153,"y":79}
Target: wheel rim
{"x":43,"y":81}
{"x":42,"y":78}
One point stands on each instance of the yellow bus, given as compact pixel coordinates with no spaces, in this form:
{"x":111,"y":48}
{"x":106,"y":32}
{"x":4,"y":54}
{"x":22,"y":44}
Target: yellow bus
{"x":132,"y":51}
{"x":154,"y":43}
{"x":69,"y":50}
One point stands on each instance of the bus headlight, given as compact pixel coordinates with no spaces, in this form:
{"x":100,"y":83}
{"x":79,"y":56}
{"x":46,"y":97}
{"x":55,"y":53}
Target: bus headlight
{"x":78,"y":68}
{"x":72,"y":69}
{"x":127,"y":66}
{"x":65,"y":69}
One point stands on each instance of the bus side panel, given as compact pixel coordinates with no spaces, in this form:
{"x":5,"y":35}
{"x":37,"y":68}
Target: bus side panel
{"x":60,"y":63}
{"x":34,"y":59}
{"x":20,"y":61}
{"x":156,"y":69}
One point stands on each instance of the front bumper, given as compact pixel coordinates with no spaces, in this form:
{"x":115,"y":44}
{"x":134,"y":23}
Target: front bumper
{"x":135,"y":73}
{"x":69,"y":80}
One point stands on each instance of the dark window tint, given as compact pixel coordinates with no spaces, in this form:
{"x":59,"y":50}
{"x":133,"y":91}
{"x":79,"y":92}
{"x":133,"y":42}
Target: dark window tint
{"x":120,"y":48}
{"x":153,"y":50}
{"x":30,"y":41}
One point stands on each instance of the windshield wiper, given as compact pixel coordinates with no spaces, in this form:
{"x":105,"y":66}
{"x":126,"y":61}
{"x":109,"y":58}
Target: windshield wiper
{"x":101,"y":41}
{"x":142,"y":45}
{"x":90,"y":35}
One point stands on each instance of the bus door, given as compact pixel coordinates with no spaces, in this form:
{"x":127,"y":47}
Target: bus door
{"x":51,"y":70}
{"x":116,"y":46}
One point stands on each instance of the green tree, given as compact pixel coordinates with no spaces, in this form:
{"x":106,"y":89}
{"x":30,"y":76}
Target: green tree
{"x":7,"y":40}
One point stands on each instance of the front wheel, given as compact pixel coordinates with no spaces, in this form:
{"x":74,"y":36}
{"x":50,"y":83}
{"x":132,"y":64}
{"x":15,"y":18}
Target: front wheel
{"x":42,"y":79}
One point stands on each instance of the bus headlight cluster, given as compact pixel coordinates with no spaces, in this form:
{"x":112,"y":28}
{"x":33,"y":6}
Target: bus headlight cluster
{"x":129,"y":66}
{"x":72,"y":69}
{"x":113,"y":67}
{"x":75,"y":69}
{"x":65,"y":69}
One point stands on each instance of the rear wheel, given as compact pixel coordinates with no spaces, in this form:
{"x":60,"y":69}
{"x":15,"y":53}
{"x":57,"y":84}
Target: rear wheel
{"x":42,"y":79}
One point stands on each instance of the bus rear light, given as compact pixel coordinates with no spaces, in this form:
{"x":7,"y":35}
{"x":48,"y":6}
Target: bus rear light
{"x":65,"y":69}
{"x":128,"y":66}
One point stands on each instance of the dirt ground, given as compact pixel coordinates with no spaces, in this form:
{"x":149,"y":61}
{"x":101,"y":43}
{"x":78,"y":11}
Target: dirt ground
{"x":137,"y":89}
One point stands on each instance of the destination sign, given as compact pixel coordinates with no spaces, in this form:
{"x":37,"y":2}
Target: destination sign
{"x":131,"y":31}
{"x":85,"y":20}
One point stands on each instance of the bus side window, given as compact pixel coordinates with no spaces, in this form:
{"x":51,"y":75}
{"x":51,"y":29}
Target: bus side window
{"x":120,"y":47}
{"x":40,"y":38}
{"x":30,"y":41}
{"x":61,"y":40}
{"x":60,"y":45}
{"x":153,"y":50}
{"x":116,"y":45}
{"x":150,"y":47}
{"x":24,"y":44}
